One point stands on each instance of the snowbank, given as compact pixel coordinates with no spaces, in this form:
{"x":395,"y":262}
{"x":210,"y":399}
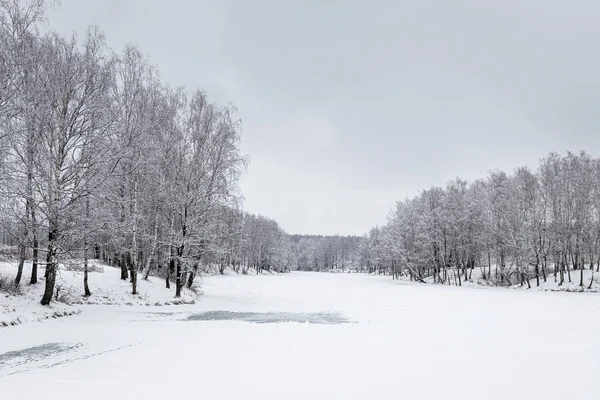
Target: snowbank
{"x":18,"y":309}
{"x":23,"y":305}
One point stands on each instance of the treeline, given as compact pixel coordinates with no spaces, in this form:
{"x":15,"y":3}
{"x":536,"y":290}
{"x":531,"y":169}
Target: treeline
{"x":510,"y":228}
{"x":249,"y":242}
{"x":323,"y":253}
{"x":100,"y":158}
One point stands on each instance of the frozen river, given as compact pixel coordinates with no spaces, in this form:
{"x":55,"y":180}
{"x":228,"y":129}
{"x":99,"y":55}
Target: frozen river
{"x":319,"y":336}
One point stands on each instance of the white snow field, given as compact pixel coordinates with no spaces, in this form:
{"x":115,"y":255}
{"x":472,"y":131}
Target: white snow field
{"x":368,"y":337}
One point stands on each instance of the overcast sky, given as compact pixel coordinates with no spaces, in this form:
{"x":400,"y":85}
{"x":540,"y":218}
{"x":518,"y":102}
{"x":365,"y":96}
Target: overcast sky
{"x":348,"y":106}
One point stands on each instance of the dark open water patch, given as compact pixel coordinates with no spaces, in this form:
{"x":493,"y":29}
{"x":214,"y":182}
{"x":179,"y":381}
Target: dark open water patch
{"x":319,"y":318}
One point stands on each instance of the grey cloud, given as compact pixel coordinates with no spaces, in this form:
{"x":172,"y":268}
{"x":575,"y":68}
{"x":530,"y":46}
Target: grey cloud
{"x":350,"y":105}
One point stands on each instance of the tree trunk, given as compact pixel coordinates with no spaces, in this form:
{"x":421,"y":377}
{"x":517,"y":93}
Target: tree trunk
{"x":133,"y":277}
{"x":124,"y":273}
{"x":51,"y":264}
{"x":22,"y":247}
{"x":179,"y":280}
{"x":171,"y":263}
{"x":502,"y":266}
{"x":134,"y":250}
{"x":471,"y":271}
{"x":124,"y":270}
{"x":21,"y":263}
{"x":192,"y":275}
{"x":153,"y":251}
{"x":35,"y":244}
{"x":178,"y":284}
{"x":30,"y":200}
{"x":521,"y":280}
{"x":544,"y":268}
{"x":568,"y":269}
{"x":562,"y":273}
{"x":168,"y":275}
{"x":86,"y":288}
{"x":581,"y":268}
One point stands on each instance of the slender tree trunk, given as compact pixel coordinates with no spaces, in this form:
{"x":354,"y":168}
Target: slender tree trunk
{"x":30,"y":200}
{"x":35,"y":244}
{"x":192,"y":275}
{"x":520,"y":274}
{"x":471,"y":270}
{"x":568,"y":267}
{"x":86,"y":287}
{"x":134,"y":250}
{"x":544,"y":265}
{"x":502,"y":266}
{"x":562,"y":272}
{"x":51,"y":263}
{"x":178,"y":280}
{"x":168,"y":276}
{"x":171,"y":263}
{"x":124,"y":266}
{"x":22,"y":249}
{"x":22,"y":245}
{"x":170,"y":267}
{"x":581,"y":268}
{"x":153,"y":251}
{"x":124,"y":271}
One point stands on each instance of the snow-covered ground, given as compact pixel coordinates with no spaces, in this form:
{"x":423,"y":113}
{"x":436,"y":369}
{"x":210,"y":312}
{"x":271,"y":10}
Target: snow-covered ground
{"x":105,"y":285}
{"x":591,"y":280}
{"x":373,"y":338}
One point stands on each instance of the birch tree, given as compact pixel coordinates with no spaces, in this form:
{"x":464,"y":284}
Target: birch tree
{"x":75,"y":90}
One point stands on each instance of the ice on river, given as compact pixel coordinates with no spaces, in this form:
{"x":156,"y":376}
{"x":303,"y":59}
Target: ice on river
{"x":319,"y":336}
